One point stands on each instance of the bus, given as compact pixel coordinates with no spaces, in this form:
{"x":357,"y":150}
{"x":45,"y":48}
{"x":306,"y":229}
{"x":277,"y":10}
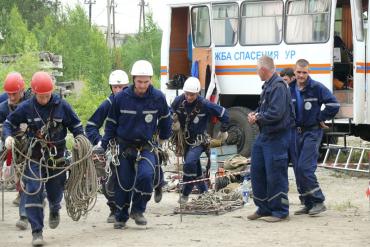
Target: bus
{"x":221,"y":42}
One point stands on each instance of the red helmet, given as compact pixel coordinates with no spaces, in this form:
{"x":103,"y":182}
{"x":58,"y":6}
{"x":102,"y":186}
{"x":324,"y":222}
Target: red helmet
{"x":41,"y":83}
{"x":13,"y":83}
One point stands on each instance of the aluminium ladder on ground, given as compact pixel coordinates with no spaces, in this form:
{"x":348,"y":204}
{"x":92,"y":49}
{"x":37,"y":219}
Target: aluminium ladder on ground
{"x":348,"y":152}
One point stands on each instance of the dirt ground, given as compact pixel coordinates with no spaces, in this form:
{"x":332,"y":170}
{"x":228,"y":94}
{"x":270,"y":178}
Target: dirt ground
{"x":346,"y":223}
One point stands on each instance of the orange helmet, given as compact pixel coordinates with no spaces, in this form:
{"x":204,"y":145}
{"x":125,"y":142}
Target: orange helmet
{"x":13,"y":83}
{"x":41,"y":83}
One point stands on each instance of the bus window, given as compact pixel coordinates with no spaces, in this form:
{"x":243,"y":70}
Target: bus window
{"x":307,"y":21}
{"x":225,"y":24}
{"x":359,"y":20}
{"x":261,"y":22}
{"x":201,"y":28}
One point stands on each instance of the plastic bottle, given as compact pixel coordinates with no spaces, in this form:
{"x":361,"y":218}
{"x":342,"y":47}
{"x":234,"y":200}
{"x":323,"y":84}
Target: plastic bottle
{"x":214,"y":166}
{"x":245,"y":189}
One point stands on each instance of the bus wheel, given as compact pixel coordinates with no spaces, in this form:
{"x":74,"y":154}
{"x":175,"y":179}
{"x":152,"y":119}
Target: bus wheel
{"x":241,"y":133}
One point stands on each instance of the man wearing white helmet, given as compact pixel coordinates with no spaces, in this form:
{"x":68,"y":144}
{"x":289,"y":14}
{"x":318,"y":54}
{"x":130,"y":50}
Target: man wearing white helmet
{"x":194,"y":113}
{"x":138,"y":113}
{"x":118,"y":80}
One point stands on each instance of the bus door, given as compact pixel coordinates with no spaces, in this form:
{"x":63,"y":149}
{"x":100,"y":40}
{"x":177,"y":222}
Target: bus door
{"x":367,"y":68}
{"x":359,"y":65}
{"x":202,"y":66}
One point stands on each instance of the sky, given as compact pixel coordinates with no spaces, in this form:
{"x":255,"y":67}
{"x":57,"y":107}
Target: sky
{"x":127,"y":13}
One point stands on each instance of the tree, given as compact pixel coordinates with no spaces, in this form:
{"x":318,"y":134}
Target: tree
{"x":85,"y":54}
{"x":33,"y":12}
{"x":19,"y":39}
{"x":145,"y":45}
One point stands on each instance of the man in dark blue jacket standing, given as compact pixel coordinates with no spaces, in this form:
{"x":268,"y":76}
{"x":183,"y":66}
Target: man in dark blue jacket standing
{"x":269,"y":169}
{"x":308,"y":96}
{"x":136,"y":115}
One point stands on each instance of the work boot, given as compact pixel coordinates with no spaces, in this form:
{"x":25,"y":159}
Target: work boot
{"x":37,"y":239}
{"x":273,"y":219}
{"x":17,"y":200}
{"x":303,"y":210}
{"x":254,"y":216}
{"x":54,"y":219}
{"x":119,"y":224}
{"x":22,"y":223}
{"x":183,"y":199}
{"x":139,"y":219}
{"x":158,"y":194}
{"x":316,"y":209}
{"x":111,"y":218}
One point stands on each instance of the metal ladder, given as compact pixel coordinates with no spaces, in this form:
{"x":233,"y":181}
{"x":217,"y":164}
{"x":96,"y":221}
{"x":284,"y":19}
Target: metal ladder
{"x":359,"y":166}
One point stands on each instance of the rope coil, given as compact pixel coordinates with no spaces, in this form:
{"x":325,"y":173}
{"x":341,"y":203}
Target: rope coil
{"x":82,"y":185}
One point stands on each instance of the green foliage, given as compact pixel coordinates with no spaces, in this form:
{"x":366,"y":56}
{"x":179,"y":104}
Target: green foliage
{"x":145,"y":45}
{"x":84,"y":51}
{"x":46,"y":33}
{"x":19,"y":39}
{"x":86,"y":103}
{"x":32,"y":11}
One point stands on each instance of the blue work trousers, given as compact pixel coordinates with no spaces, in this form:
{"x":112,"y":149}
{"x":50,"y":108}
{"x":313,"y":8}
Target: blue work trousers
{"x":269,"y":174}
{"x":134,"y":183}
{"x":293,"y":157}
{"x":308,"y":143}
{"x":54,"y":192}
{"x":108,"y":187}
{"x":193,"y":170}
{"x":22,"y":204}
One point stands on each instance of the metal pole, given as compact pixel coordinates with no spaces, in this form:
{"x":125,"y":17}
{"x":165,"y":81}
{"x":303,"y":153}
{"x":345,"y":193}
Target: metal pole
{"x":114,"y":25}
{"x":2,"y":199}
{"x":141,"y":12}
{"x":109,"y":33}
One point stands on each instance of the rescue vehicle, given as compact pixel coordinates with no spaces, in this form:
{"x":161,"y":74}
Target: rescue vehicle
{"x":230,"y":36}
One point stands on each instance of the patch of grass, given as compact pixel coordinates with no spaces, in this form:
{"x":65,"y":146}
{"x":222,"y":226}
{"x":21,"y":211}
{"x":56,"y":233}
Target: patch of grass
{"x":343,"y":206}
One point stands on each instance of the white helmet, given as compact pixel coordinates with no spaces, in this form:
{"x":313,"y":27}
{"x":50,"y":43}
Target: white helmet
{"x":118,"y":77}
{"x":142,"y":67}
{"x":192,"y":85}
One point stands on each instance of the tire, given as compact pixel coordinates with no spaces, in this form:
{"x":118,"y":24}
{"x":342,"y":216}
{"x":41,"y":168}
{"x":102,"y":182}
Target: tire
{"x":240,"y":131}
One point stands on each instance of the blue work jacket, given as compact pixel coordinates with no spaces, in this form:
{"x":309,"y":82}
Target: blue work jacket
{"x":97,"y":120}
{"x":207,"y":109}
{"x":275,"y":112}
{"x":313,"y":96}
{"x":136,"y":119}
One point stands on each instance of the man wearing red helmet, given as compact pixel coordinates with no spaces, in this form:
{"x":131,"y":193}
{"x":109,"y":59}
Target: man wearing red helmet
{"x":14,"y":88}
{"x":48,"y":117}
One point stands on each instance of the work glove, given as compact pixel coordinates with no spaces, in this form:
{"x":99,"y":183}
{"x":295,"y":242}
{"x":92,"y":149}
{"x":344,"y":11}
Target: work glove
{"x":23,"y":127}
{"x":222,"y":136}
{"x":176,"y":126}
{"x":9,"y":142}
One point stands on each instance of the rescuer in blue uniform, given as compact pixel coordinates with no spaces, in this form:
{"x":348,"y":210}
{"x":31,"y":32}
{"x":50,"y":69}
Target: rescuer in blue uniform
{"x":48,"y":118}
{"x":194,"y":113}
{"x":14,"y":88}
{"x":136,"y":115}
{"x":118,"y":80}
{"x":308,"y":96}
{"x":269,"y":168}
